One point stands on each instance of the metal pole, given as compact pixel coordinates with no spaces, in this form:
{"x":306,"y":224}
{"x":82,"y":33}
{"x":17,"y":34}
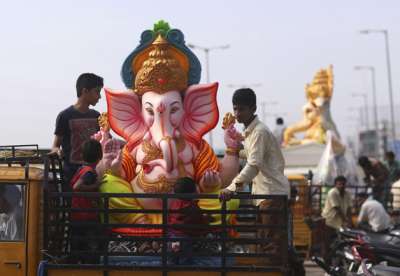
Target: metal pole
{"x":207,"y":54}
{"x":366,"y":110}
{"x":372,"y":69}
{"x":389,"y":71}
{"x":362,"y":117}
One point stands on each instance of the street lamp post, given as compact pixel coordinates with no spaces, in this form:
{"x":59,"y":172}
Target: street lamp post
{"x":364,"y":95}
{"x":375,"y":107}
{"x":386,"y":35}
{"x":207,"y":56}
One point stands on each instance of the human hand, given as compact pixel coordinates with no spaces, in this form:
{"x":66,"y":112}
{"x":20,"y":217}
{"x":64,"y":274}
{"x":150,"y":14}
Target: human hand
{"x":225,"y":195}
{"x":112,"y":153}
{"x":56,"y":152}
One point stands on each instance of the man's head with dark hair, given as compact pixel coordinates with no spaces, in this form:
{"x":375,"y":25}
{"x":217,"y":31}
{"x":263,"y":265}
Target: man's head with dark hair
{"x":185,"y":185}
{"x":364,"y":162}
{"x":279,"y":121}
{"x":390,"y":157}
{"x":244,"y":96}
{"x":361,"y":197}
{"x":88,"y":81}
{"x":244,"y":103}
{"x":340,"y":183}
{"x":91,"y":151}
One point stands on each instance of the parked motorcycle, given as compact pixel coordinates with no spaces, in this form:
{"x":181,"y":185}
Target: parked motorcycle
{"x":352,"y":246}
{"x":378,"y":270}
{"x":330,"y":270}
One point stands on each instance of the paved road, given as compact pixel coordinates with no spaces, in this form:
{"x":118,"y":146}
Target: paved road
{"x":312,"y":269}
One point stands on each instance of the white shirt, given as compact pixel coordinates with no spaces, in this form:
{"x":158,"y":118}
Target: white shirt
{"x":396,"y":194}
{"x":335,"y":200}
{"x":373,"y":212}
{"x":265,"y":163}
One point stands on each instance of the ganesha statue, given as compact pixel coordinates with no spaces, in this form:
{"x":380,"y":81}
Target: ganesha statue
{"x":162,"y":116}
{"x":317,"y":119}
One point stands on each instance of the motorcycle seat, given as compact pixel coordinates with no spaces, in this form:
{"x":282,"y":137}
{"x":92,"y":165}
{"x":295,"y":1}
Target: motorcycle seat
{"x":385,"y":240}
{"x":386,"y":249}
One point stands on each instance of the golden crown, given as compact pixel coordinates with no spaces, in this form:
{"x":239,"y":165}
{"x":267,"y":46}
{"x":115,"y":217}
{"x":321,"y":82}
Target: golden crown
{"x":323,"y":80}
{"x":160,"y":68}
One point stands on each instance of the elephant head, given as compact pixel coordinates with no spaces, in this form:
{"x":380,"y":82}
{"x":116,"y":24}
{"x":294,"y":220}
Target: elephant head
{"x":162,"y":118}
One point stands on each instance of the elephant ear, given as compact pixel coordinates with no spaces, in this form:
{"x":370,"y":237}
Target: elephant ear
{"x":125,"y":115}
{"x":201,"y":111}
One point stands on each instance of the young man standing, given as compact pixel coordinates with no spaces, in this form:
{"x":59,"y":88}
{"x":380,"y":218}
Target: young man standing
{"x":376,"y":177}
{"x":76,"y":124}
{"x":264,"y":167}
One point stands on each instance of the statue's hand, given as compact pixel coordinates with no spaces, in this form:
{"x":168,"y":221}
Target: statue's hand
{"x":232,"y":137}
{"x":112,"y":153}
{"x":103,"y":136}
{"x":210,"y":181}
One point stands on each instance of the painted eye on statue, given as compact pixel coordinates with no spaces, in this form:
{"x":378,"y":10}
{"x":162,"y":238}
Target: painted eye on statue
{"x":150,"y":111}
{"x":174,"y":110}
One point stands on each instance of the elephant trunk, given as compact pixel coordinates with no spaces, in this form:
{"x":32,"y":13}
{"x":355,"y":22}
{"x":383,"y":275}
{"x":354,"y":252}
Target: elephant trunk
{"x":170,"y":153}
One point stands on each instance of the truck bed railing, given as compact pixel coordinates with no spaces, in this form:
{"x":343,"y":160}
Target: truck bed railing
{"x":223,"y":247}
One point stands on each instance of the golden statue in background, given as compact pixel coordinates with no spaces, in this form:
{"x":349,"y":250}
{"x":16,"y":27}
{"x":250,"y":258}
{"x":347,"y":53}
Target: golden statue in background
{"x":316,"y":112}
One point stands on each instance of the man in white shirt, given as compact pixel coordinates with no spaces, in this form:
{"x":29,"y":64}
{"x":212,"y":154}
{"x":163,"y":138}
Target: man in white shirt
{"x":337,"y":209}
{"x":336,"y":212}
{"x":264,"y":167}
{"x":372,"y":216}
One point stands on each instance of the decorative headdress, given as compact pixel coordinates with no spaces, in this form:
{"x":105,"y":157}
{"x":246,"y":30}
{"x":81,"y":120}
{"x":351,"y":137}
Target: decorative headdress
{"x":161,"y":62}
{"x":323,"y":79}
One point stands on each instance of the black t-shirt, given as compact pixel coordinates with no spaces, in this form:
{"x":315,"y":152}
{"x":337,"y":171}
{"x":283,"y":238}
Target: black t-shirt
{"x":75,"y":128}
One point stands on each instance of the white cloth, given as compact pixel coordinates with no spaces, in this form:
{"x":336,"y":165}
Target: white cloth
{"x":265,"y":163}
{"x":333,"y":201}
{"x":374,"y":214}
{"x":396,"y":194}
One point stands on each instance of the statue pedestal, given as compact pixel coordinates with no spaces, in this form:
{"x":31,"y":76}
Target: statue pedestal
{"x":300,"y":159}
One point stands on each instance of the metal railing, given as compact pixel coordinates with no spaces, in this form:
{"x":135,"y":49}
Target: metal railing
{"x":316,"y":196}
{"x":230,"y":253}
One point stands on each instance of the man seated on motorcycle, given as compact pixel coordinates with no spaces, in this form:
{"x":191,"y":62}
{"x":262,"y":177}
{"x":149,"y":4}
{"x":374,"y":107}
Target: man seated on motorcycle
{"x":372,"y":217}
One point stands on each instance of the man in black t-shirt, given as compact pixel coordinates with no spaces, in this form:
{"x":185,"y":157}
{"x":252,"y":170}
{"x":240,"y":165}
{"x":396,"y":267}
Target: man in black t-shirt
{"x":76,"y":124}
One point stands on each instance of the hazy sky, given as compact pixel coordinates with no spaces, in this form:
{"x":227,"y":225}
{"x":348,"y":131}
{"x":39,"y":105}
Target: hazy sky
{"x":45,"y":45}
